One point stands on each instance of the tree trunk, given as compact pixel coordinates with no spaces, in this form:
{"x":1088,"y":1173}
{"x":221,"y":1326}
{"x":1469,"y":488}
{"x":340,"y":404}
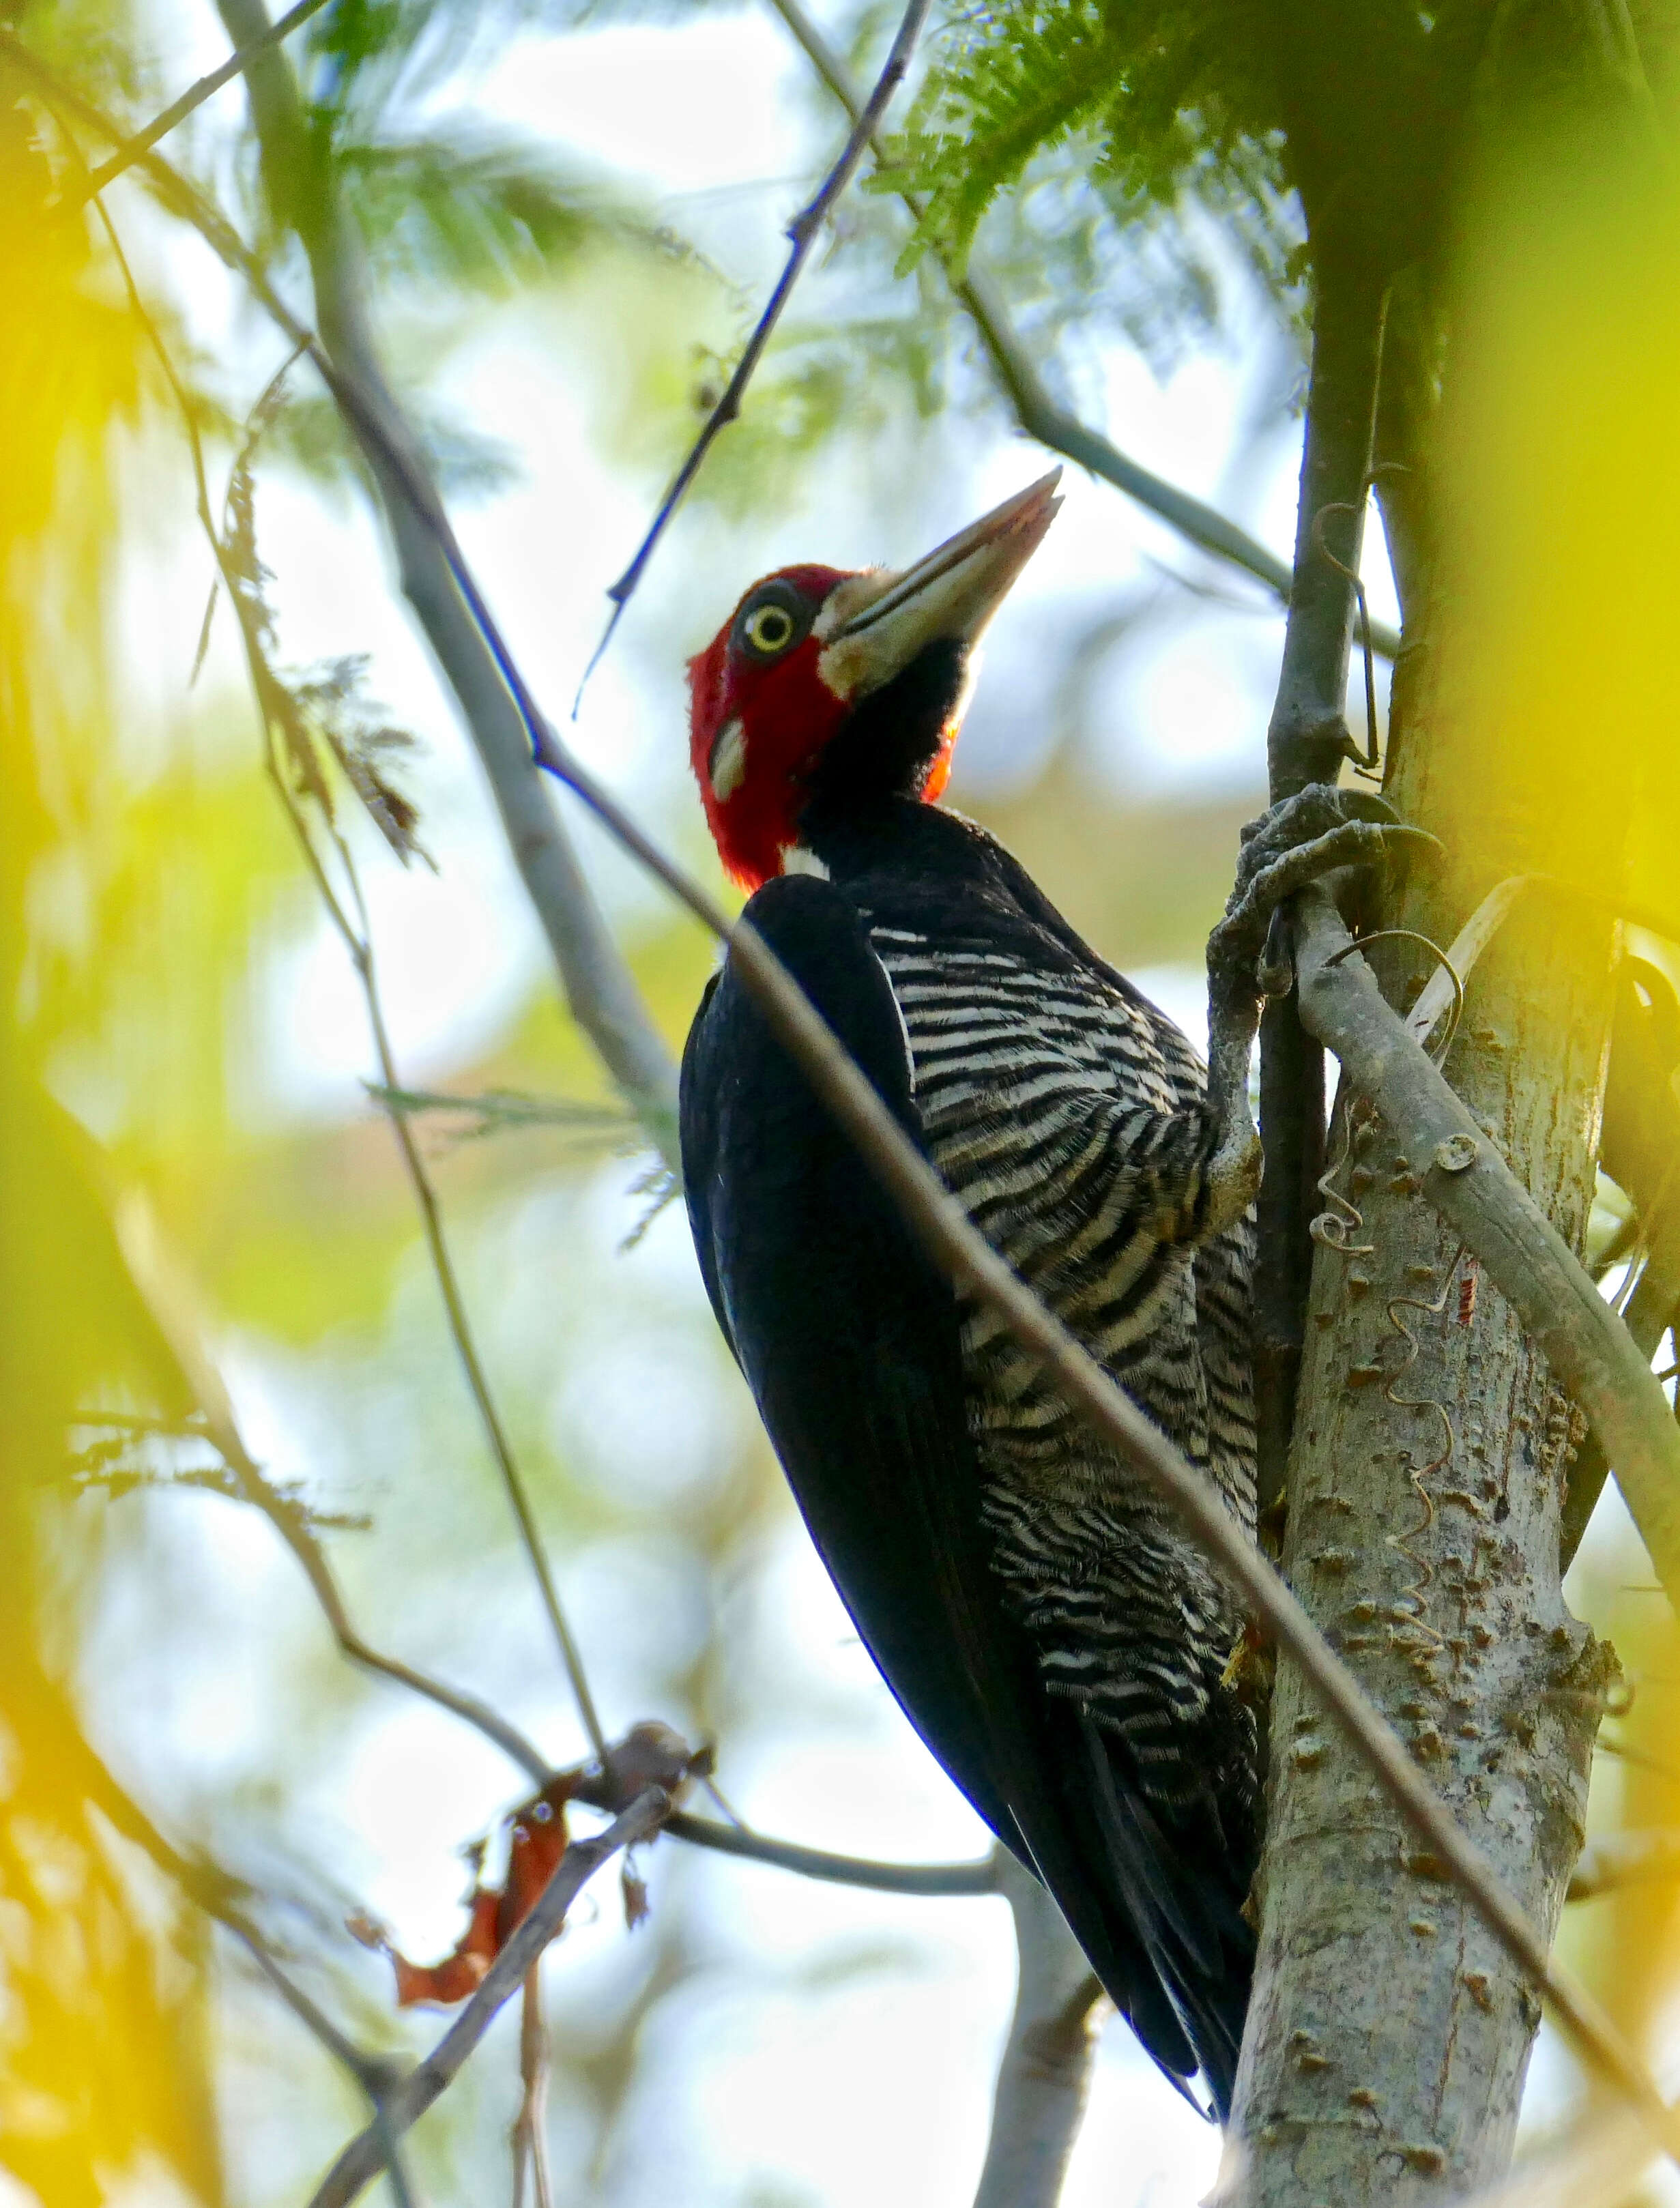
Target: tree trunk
{"x":1389,"y":2035}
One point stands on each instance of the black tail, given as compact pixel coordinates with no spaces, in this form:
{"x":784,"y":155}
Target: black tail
{"x":1179,"y":1892}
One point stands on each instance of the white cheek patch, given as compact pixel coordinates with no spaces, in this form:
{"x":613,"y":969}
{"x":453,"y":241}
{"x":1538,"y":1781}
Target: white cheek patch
{"x":727,"y":766}
{"x":796,"y":860}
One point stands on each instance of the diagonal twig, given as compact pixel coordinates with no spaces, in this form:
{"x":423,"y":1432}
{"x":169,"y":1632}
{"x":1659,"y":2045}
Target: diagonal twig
{"x":359,"y":944}
{"x":142,"y":142}
{"x":802,"y":234}
{"x":407,"y":2101}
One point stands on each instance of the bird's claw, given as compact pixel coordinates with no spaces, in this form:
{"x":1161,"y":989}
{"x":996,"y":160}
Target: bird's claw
{"x":1316,"y":833}
{"x":1275,"y":974}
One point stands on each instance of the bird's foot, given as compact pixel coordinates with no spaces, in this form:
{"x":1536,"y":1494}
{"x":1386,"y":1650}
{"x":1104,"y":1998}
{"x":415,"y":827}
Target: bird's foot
{"x":1318,"y":832}
{"x":1321,"y":831}
{"x":1250,"y":1668}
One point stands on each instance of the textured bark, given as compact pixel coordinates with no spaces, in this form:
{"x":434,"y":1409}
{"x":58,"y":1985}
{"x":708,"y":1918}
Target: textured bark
{"x":1389,"y":2035}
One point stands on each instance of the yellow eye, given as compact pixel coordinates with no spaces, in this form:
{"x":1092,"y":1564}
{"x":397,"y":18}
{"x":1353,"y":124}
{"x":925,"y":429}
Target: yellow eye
{"x":769,"y":630}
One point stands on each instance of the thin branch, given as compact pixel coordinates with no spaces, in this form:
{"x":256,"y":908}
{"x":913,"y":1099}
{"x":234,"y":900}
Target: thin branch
{"x":531,"y":2131}
{"x":170,"y":1309}
{"x":1037,"y":411}
{"x":142,"y":142}
{"x":431,"y":2076}
{"x":1306,"y":741}
{"x":927,"y":1881}
{"x":978,"y":1270}
{"x":1590,"y":1353}
{"x":372,"y":2073}
{"x":1619,"y":1859}
{"x":802,"y":234}
{"x":1045,"y":2075}
{"x":358,"y":944}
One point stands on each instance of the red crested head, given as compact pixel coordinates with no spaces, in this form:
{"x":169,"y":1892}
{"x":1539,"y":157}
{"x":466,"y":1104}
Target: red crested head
{"x":809,"y":648}
{"x":761,"y":673}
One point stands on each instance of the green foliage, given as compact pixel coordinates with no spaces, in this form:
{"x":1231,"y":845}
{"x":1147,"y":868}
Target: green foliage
{"x":471,"y":208}
{"x":92,"y":41}
{"x":847,"y":377}
{"x":466,"y":463}
{"x":1165,"y":106}
{"x":333,"y":705}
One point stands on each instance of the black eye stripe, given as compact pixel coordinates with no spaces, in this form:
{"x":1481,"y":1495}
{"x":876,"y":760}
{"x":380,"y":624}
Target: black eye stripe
{"x":772,"y":622}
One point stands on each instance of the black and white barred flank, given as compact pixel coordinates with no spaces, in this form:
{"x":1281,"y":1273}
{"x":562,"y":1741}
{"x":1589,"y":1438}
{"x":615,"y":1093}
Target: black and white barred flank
{"x":1068,"y":1116}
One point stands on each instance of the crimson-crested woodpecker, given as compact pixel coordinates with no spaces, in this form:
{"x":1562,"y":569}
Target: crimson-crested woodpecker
{"x":1051,"y":1633}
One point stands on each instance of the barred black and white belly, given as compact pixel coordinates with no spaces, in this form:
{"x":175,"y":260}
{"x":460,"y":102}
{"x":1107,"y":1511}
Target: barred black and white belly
{"x":1070,"y":1120}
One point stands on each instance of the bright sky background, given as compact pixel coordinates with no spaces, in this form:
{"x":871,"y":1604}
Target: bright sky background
{"x":867,"y":2089}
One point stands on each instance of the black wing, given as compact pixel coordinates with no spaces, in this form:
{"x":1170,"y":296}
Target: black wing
{"x":849,"y":1336}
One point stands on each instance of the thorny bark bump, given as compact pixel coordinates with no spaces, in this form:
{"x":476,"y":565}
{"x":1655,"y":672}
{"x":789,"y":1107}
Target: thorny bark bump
{"x":1389,"y":2037}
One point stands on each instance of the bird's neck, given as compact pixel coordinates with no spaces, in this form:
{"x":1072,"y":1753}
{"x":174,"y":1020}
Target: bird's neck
{"x":852,"y":841}
{"x":891,"y":749}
